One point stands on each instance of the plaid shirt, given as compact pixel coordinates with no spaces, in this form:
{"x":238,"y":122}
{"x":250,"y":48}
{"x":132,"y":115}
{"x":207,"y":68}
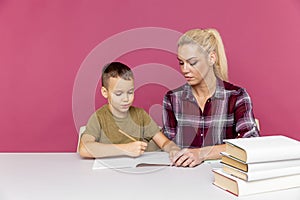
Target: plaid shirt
{"x":227,"y":114}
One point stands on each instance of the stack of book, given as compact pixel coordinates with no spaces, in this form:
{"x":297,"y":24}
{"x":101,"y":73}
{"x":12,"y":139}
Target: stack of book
{"x":260,"y":164}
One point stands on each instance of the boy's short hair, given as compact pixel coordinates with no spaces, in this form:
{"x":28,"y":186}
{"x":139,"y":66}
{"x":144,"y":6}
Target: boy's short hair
{"x":115,"y":69}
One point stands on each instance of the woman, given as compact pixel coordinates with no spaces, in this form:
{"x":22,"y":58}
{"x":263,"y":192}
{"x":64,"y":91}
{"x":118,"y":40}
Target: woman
{"x":207,"y":109}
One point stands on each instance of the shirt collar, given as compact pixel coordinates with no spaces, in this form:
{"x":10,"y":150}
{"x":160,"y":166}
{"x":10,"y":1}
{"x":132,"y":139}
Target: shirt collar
{"x":220,"y":90}
{"x":219,"y":93}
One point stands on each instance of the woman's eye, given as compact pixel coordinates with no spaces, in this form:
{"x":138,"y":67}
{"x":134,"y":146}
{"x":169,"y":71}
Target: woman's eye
{"x":130,"y":92}
{"x":181,"y":63}
{"x":193,"y":63}
{"x":118,"y":94}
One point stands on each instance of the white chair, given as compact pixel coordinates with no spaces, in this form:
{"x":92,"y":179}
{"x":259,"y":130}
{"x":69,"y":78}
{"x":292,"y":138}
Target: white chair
{"x":257,"y":124}
{"x":81,"y":130}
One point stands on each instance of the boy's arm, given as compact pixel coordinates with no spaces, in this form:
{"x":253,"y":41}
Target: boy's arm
{"x":165,"y":144}
{"x":89,"y":148}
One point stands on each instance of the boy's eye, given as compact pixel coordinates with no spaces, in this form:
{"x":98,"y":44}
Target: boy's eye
{"x":118,"y":93}
{"x":130,"y":92}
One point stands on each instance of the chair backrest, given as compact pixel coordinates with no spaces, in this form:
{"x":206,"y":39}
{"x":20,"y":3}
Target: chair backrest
{"x":257,"y":124}
{"x":81,"y":130}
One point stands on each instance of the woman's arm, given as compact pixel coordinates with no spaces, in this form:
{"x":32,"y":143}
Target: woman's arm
{"x":169,"y":118}
{"x":244,"y":118}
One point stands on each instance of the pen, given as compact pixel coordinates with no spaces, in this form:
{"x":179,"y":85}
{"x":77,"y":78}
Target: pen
{"x":133,"y":139}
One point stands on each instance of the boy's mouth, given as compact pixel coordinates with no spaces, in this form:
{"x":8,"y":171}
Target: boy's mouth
{"x":125,"y":106}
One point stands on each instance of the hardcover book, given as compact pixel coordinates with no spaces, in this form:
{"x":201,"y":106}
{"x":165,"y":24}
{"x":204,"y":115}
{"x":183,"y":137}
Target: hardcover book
{"x":263,"y":174}
{"x":263,"y":149}
{"x":261,"y":166}
{"x":240,"y":187}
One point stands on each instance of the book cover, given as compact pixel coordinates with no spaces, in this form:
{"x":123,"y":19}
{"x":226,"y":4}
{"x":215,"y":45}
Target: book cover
{"x":261,"y":166}
{"x":263,"y":149}
{"x":240,"y":187}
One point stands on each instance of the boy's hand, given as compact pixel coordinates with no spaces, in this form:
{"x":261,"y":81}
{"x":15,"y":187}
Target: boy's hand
{"x":135,"y":149}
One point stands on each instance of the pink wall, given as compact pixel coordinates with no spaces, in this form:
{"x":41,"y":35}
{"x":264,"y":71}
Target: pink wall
{"x":43,"y":45}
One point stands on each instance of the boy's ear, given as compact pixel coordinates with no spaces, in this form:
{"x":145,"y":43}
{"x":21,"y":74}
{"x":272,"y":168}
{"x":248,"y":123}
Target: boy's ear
{"x":104,"y":92}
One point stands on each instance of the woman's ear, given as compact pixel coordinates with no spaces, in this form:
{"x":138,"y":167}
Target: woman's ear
{"x":104,"y":92}
{"x":212,"y":58}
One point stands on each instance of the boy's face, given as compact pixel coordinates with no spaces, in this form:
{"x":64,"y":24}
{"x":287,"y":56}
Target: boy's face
{"x":120,"y":95}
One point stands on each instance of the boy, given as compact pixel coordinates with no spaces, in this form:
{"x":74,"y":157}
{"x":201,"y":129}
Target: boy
{"x":118,"y":128}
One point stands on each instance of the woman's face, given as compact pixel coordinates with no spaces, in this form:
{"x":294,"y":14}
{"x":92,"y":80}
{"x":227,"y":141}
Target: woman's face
{"x":193,"y":64}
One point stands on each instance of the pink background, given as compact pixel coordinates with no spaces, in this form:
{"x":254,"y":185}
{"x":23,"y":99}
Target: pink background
{"x":43,"y":44}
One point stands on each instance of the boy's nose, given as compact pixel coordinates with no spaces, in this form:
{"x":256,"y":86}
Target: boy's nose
{"x":126,"y":97}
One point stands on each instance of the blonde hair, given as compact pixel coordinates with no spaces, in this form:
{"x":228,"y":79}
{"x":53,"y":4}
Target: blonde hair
{"x":209,"y":40}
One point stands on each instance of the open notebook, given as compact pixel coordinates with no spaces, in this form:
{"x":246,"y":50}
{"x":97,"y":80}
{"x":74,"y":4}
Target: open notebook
{"x":147,"y":159}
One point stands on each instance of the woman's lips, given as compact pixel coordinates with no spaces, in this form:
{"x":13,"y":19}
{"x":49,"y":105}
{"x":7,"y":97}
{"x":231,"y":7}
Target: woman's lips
{"x":188,"y":78}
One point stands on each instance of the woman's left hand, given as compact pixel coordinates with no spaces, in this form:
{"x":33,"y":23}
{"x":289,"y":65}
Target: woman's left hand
{"x":188,"y":158}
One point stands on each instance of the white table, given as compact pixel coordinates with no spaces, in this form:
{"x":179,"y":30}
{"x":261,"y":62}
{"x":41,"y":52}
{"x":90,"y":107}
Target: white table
{"x":43,"y":176}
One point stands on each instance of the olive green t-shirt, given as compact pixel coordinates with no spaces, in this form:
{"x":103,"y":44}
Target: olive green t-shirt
{"x":105,"y":127}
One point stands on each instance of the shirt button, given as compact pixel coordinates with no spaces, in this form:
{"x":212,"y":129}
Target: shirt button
{"x":202,"y":134}
{"x":208,"y":100}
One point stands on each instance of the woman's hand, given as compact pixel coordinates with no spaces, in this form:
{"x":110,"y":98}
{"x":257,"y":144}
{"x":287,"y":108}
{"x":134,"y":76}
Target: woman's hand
{"x":173,"y":153}
{"x":194,"y":157}
{"x":188,"y":158}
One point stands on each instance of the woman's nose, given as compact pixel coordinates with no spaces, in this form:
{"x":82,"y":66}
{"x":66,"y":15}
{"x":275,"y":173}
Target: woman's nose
{"x":184,"y":68}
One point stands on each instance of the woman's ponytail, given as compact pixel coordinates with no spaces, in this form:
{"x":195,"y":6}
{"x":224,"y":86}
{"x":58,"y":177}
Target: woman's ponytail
{"x":221,"y":67}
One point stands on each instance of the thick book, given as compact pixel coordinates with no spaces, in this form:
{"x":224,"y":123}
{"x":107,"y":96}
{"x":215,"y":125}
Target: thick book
{"x":263,"y":149}
{"x":146,"y":159}
{"x":261,"y":166}
{"x":240,"y":187}
{"x":263,"y":174}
